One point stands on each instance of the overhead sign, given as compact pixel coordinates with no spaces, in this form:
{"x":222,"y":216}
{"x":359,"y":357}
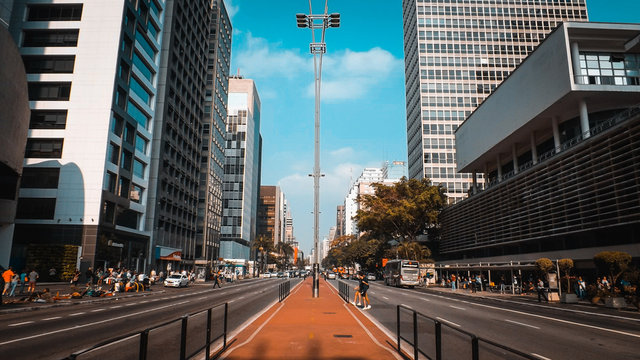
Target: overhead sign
{"x":167,"y":253}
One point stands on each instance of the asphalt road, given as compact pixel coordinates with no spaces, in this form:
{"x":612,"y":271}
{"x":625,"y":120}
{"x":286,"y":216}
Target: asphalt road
{"x":55,"y":333}
{"x":544,"y":331}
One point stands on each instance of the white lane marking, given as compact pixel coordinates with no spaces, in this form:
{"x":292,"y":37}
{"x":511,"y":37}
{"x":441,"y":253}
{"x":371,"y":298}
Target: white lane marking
{"x":96,"y":310}
{"x":129,"y":304}
{"x":255,"y":332}
{"x":369,"y":333}
{"x":448,"y":322}
{"x":553,"y":319}
{"x":115,"y":307}
{"x":76,"y":314}
{"x":407,"y":306}
{"x":145,"y":301}
{"x":540,"y":356}
{"x":201,"y":298}
{"x":425,"y":299}
{"x":457,"y":307}
{"x":241,"y":297}
{"x":386,"y":298}
{"x":88,"y":324}
{"x":20,"y":323}
{"x":51,"y":318}
{"x":523,"y":324}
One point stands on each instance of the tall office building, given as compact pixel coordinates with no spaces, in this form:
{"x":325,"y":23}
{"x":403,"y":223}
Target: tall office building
{"x":181,"y":115}
{"x":340,"y":224}
{"x":92,"y":71}
{"x":241,"y":170}
{"x":214,"y":135}
{"x":456,"y":53}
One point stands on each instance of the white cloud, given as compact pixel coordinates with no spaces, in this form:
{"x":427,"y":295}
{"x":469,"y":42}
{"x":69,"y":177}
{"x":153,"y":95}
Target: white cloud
{"x":352,"y":74}
{"x":261,"y":59}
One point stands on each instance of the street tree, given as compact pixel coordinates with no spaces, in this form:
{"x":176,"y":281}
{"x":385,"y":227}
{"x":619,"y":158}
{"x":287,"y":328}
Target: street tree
{"x":613,"y":263}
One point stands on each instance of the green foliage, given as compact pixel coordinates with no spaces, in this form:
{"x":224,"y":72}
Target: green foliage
{"x":346,"y":251}
{"x":402,"y":211}
{"x":412,"y":250}
{"x":612,"y":263}
{"x":565,"y":266}
{"x":544,"y":265}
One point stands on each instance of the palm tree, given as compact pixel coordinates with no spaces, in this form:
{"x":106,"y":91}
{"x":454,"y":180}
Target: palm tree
{"x":285,"y":250}
{"x":412,"y":250}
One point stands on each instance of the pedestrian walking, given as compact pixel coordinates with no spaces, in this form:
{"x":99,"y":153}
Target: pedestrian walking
{"x":541,"y":291}
{"x":363,"y":287}
{"x":357,"y":297}
{"x":89,"y":275}
{"x":453,"y":282}
{"x":33,"y":277}
{"x":52,"y":274}
{"x":14,"y":283}
{"x":75,"y":278}
{"x":582,"y":288}
{"x":7,"y":275}
{"x":216,"y":280}
{"x":23,"y":280}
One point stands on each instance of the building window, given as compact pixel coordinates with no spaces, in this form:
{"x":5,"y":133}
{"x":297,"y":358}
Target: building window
{"x":128,"y":218}
{"x":54,"y":12}
{"x":140,"y":38}
{"x":44,"y":148}
{"x":142,"y":66}
{"x":108,"y":212}
{"x":137,"y":114}
{"x":129,"y":133}
{"x":36,"y":208}
{"x":126,"y":159}
{"x":116,"y":125}
{"x":141,"y":144}
{"x":138,"y":168}
{"x":110,"y":182}
{"x":8,"y":182}
{"x":53,"y":91}
{"x":113,"y":152}
{"x":61,"y":64}
{"x":124,"y":185}
{"x":136,"y":193}
{"x":40,"y":178}
{"x":50,"y":37}
{"x":140,"y":90}
{"x":48,"y":119}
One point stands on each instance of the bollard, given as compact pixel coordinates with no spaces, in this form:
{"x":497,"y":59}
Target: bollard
{"x":183,"y":338}
{"x":438,"y":332}
{"x":144,"y":342}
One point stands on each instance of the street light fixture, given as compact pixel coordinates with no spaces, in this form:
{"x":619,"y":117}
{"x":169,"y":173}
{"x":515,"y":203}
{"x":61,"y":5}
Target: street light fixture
{"x":317,"y":22}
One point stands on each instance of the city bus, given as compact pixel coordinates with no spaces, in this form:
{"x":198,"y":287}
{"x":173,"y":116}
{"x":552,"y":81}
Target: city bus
{"x":402,"y":273}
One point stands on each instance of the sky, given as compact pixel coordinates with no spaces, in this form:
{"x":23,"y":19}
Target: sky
{"x":362,"y":112}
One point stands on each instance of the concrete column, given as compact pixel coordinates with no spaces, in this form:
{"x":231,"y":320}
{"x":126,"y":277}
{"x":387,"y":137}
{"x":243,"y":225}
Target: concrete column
{"x":486,"y":174}
{"x":575,"y":61}
{"x":499,"y":165}
{"x":534,"y":150}
{"x":514,"y":155}
{"x":475,"y":182}
{"x":584,"y":119}
{"x":556,"y":133}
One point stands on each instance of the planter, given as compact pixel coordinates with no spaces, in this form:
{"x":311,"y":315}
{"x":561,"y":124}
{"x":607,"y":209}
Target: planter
{"x":569,"y":298}
{"x":615,"y":302}
{"x":553,"y":296}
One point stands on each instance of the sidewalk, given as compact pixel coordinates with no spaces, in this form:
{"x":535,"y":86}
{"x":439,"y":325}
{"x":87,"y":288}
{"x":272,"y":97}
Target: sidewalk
{"x":526,"y":298}
{"x":303,"y":327}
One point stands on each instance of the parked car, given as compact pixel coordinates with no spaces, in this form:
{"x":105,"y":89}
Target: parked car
{"x":176,"y":280}
{"x":280,"y":274}
{"x":331,"y":275}
{"x":371,"y":276}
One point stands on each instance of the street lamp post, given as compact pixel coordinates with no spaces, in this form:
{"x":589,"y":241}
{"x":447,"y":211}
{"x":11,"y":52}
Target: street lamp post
{"x":317,"y":22}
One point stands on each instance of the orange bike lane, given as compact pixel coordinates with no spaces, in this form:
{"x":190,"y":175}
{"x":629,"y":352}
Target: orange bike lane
{"x":303,"y":327}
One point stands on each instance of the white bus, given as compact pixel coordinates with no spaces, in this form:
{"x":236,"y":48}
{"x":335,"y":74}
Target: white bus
{"x":402,"y":273}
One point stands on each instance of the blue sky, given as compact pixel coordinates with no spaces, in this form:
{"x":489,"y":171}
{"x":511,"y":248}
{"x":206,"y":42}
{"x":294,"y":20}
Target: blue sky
{"x":363,"y":110}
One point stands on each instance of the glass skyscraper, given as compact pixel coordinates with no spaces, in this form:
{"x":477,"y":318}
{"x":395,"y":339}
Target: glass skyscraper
{"x":456,"y":53}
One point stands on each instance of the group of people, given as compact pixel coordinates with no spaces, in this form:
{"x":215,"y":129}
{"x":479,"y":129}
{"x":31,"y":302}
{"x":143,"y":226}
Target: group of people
{"x":11,"y":280}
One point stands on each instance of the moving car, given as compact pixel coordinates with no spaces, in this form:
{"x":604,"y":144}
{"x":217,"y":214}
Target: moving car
{"x":331,"y":275}
{"x":176,"y":280}
{"x":371,"y":276}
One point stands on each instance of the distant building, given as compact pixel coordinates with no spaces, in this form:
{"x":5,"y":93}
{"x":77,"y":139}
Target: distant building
{"x":241,"y":170}
{"x":340,"y":221}
{"x":394,"y":169}
{"x":14,"y":126}
{"x":562,"y":161}
{"x":271,"y":213}
{"x":456,"y":53}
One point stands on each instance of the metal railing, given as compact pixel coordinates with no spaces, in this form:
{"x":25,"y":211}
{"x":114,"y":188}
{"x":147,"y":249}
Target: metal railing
{"x":121,"y":344}
{"x":284,"y":289}
{"x":474,"y":340}
{"x":343,"y":290}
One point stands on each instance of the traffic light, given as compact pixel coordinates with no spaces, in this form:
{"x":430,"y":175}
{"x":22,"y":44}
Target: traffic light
{"x":303,"y":20}
{"x":334,"y":20}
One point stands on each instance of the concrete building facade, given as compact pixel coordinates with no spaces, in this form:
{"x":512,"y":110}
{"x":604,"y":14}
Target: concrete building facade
{"x":456,"y":53}
{"x":561,"y":162}
{"x":92,"y":69}
{"x":14,"y":125}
